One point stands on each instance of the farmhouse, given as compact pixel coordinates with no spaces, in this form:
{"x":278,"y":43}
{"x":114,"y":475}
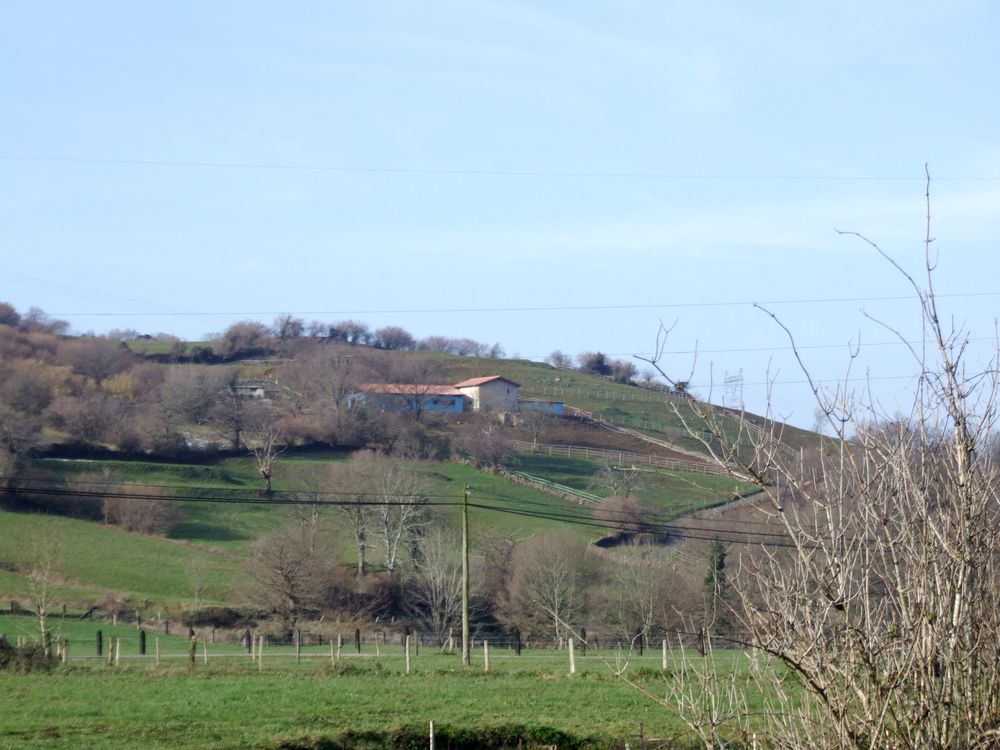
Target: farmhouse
{"x":491,"y":393}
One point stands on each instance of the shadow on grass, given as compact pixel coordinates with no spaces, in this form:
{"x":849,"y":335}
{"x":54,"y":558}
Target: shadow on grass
{"x":201,"y":532}
{"x":502,"y":737}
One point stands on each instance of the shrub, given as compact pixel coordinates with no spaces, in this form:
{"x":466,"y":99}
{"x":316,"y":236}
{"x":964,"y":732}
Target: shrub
{"x":24,"y":659}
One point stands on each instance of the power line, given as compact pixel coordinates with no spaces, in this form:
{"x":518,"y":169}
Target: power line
{"x":531,"y":308}
{"x":395,"y":170}
{"x":557,"y":514}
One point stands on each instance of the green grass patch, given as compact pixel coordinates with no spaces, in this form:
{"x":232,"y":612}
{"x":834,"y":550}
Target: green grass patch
{"x":96,"y":559}
{"x":231,"y":703}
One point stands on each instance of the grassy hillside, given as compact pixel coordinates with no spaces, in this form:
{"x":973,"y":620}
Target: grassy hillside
{"x":97,"y":562}
{"x":101,"y":561}
{"x":658,"y":414}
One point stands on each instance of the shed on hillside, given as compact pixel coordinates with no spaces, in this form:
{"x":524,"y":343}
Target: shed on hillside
{"x":490,"y":393}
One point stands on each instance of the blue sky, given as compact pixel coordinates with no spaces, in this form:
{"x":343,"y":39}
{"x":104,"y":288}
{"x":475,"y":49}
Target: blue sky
{"x":556,"y":175}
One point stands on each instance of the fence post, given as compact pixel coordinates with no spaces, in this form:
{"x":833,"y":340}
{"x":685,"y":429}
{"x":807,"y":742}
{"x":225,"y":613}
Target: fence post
{"x":406,"y":649}
{"x":118,"y":650}
{"x":193,"y":650}
{"x":204,"y":650}
{"x":357,"y":640}
{"x":340,"y":644}
{"x":517,"y":641}
{"x":583,"y":641}
{"x":486,"y":655}
{"x":572,"y":658}
{"x":298,"y":645}
{"x":157,"y":650}
{"x":100,"y":643}
{"x":432,"y":734}
{"x":142,"y":643}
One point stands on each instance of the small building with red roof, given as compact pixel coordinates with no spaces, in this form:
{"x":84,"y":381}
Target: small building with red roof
{"x":492,"y":393}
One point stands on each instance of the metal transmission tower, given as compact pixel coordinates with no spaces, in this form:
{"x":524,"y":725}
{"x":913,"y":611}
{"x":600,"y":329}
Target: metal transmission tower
{"x":733,"y":395}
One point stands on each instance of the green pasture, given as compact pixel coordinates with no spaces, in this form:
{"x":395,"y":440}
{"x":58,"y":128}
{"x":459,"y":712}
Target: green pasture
{"x":232,"y":701}
{"x":213,"y":538}
{"x":669,"y":493}
{"x":97,"y":560}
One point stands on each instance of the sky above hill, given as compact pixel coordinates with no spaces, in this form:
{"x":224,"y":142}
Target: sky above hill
{"x":558,"y":175}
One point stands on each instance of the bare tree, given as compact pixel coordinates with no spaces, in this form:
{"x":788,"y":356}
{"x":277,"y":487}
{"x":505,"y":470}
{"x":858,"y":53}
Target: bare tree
{"x":18,"y":436}
{"x":197,"y":574}
{"x":434,"y":590}
{"x":559,"y":360}
{"x":127,"y":509}
{"x":400,"y":510}
{"x":319,"y":385}
{"x":594,"y":362}
{"x":638,"y":589}
{"x":535,"y":423}
{"x":38,"y":321}
{"x":623,"y":371}
{"x":549,"y":580}
{"x":287,"y":327}
{"x":352,"y":482}
{"x":288,"y":580}
{"x":882,"y":605}
{"x":228,"y":415}
{"x":41,"y":571}
{"x":9,"y":316}
{"x":97,"y":358}
{"x":486,"y":441}
{"x":244,"y":338}
{"x":394,"y":337}
{"x":622,"y":516}
{"x":351,"y":331}
{"x":621,"y":480}
{"x":265,"y":439}
{"x":492,"y":568}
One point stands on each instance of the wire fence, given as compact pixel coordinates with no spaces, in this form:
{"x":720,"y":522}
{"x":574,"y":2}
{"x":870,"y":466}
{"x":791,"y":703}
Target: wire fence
{"x":542,"y":655}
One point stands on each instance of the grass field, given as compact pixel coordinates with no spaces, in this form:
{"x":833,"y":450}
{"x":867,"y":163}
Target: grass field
{"x":232,"y":702}
{"x":214,"y":537}
{"x":98,"y":560}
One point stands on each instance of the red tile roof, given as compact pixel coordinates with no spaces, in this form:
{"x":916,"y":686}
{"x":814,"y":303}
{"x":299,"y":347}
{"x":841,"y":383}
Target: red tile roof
{"x":404,"y":389}
{"x":472,"y":382}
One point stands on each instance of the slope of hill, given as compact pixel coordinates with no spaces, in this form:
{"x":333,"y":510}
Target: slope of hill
{"x":112,"y":401}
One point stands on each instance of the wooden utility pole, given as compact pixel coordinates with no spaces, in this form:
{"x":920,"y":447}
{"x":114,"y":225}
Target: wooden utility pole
{"x":466,"y":657}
